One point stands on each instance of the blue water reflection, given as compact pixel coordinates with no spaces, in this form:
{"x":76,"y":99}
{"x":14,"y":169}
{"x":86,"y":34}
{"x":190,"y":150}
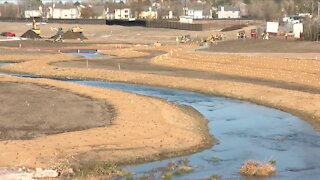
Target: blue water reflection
{"x":244,"y":130}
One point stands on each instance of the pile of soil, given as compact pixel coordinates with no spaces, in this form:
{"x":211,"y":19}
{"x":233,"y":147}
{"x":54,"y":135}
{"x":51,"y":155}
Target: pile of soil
{"x":31,"y":35}
{"x":71,"y":35}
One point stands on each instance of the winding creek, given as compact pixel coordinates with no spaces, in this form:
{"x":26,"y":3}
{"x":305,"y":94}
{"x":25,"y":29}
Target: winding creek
{"x":244,"y":131}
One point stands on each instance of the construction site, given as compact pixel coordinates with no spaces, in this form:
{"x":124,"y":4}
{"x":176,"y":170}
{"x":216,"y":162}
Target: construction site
{"x":97,"y":101}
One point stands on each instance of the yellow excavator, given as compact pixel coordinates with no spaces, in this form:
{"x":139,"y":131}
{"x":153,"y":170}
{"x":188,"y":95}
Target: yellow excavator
{"x":35,"y":29}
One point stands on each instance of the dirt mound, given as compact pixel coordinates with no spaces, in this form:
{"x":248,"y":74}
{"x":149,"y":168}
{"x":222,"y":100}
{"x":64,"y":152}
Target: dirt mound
{"x":73,"y":35}
{"x":70,"y":35}
{"x":31,"y":35}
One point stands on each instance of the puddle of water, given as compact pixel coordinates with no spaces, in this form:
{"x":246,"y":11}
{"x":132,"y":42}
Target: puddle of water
{"x":86,"y":53}
{"x":244,"y":130}
{"x":5,"y":63}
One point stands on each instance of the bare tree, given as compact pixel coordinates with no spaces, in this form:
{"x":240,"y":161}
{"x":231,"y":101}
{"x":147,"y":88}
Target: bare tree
{"x":88,"y":12}
{"x":9,"y":10}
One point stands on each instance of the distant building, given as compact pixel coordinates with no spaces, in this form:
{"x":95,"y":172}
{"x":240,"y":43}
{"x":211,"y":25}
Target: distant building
{"x":124,"y":13}
{"x":64,"y":13}
{"x":186,"y":19}
{"x":228,"y":12}
{"x":194,"y":13}
{"x":32,"y":13}
{"x":148,"y":13}
{"x":118,"y":1}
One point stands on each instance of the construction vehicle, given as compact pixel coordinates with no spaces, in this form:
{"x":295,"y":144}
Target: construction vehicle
{"x":185,"y":38}
{"x":242,"y":34}
{"x":254,"y":33}
{"x":77,"y":29}
{"x":35,"y":29}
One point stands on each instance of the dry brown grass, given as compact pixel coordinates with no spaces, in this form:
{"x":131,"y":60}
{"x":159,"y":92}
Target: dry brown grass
{"x":33,"y":57}
{"x":255,"y":168}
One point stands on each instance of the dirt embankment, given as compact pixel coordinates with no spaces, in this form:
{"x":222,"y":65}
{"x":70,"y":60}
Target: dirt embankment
{"x":143,"y":128}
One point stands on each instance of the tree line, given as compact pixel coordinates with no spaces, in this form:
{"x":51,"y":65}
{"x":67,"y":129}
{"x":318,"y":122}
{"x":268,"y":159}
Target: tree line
{"x":258,"y":9}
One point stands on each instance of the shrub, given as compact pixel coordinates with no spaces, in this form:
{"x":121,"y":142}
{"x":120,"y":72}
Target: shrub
{"x":254,"y":168}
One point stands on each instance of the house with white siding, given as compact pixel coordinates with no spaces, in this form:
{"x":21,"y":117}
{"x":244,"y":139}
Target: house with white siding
{"x":64,"y":13}
{"x":32,"y":13}
{"x":229,"y":12}
{"x":124,"y":13}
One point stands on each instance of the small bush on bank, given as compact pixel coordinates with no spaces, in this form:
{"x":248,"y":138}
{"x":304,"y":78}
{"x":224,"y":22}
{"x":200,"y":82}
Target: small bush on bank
{"x":254,"y":168}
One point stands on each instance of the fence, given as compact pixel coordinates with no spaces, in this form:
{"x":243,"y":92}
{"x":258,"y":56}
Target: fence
{"x":142,"y":23}
{"x":197,"y":25}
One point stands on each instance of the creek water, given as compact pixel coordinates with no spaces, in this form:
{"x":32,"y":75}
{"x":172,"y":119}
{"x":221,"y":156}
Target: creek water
{"x":244,"y":131}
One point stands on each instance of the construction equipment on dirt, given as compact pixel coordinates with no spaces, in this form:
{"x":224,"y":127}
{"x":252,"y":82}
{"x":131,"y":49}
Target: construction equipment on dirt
{"x":213,"y":39}
{"x":185,"y":38}
{"x":254,"y":33}
{"x":77,"y":29}
{"x":242,"y":34}
{"x":74,"y":33}
{"x":58,"y":36}
{"x":34,"y":32}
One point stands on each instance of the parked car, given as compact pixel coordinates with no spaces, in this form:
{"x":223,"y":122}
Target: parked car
{"x":8,"y":34}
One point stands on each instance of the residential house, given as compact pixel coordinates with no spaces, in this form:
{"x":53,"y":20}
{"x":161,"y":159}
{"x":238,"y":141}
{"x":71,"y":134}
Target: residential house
{"x":124,"y":13}
{"x":32,"y":13}
{"x":194,"y":13}
{"x":64,"y":13}
{"x":148,"y":13}
{"x":229,"y":12}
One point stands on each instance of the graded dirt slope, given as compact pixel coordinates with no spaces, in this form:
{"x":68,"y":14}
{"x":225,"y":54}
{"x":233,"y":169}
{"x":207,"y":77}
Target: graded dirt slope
{"x":30,"y":111}
{"x":143,"y":128}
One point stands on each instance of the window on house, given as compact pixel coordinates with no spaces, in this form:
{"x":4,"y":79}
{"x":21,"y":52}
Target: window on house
{"x":126,"y":11}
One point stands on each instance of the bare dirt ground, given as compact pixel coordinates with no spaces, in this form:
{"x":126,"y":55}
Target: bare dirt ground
{"x":116,"y":34}
{"x":266,"y":46}
{"x":144,"y":65}
{"x":143,"y":128}
{"x":30,"y":111}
